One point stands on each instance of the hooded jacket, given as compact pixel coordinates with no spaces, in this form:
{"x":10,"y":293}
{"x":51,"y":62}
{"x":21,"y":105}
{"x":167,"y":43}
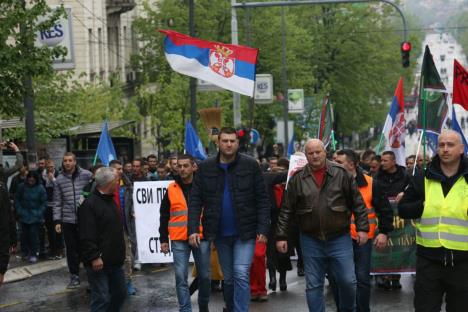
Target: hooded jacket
{"x":411,"y":206}
{"x":30,"y":202}
{"x":67,"y":193}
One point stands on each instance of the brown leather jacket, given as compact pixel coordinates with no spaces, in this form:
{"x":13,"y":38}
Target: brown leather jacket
{"x":322,"y":213}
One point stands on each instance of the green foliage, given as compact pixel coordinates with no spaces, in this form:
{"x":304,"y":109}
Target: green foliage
{"x":351,"y":52}
{"x":18,"y":55}
{"x":62,"y":103}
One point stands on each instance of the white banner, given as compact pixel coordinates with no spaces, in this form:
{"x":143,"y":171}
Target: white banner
{"x":296,"y":162}
{"x":147,"y":199}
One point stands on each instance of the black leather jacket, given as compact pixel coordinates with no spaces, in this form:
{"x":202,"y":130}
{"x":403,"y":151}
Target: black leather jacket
{"x":322,"y":213}
{"x":248,"y":194}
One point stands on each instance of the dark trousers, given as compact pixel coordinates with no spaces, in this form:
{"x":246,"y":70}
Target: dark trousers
{"x":30,"y":239}
{"x":108,"y":289}
{"x":433,"y":280}
{"x":72,"y":241}
{"x":55,"y":239}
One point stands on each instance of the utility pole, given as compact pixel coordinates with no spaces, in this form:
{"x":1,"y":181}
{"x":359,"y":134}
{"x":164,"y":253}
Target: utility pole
{"x":28,"y":98}
{"x":236,"y":107}
{"x":284,"y":78}
{"x":193,"y":81}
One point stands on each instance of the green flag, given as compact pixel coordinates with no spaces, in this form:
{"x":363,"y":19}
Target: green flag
{"x":436,"y":96}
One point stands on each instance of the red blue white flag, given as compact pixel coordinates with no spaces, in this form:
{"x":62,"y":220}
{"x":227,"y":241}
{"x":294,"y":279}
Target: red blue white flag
{"x":228,"y":66}
{"x":394,"y":128}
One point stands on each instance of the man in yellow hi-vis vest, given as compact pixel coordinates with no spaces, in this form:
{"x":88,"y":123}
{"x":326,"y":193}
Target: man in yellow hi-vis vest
{"x":438,"y":199}
{"x":173,"y":225}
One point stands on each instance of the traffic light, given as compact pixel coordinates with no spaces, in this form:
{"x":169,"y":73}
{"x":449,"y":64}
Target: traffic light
{"x":244,"y":138}
{"x":405,"y":53}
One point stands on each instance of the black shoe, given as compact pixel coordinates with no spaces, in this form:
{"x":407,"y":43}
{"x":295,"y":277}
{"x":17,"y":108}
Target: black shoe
{"x":387,"y":284}
{"x":74,"y":282}
{"x":272,"y":283}
{"x":300,"y":272}
{"x":282,"y":282}
{"x":396,"y":284}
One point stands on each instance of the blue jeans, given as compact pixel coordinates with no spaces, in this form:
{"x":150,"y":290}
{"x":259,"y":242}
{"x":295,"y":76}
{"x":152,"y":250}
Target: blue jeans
{"x":108,"y":290}
{"x":181,"y":252}
{"x":30,"y":239}
{"x":362,"y":264}
{"x":335,"y":257}
{"x":235,"y":257}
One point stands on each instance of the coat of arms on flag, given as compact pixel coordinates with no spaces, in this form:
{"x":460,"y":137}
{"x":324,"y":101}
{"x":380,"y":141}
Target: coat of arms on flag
{"x":221,"y":62}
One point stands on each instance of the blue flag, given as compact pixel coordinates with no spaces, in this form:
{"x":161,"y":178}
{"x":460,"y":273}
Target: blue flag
{"x":193,"y":145}
{"x":291,"y":150}
{"x":105,"y":150}
{"x":456,"y":127}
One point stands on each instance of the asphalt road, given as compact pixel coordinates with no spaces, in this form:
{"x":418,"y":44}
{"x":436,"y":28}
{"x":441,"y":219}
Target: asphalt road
{"x":156,"y":292}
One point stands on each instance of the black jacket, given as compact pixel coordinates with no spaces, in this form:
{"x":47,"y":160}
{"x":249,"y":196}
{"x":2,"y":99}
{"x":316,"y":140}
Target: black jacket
{"x":411,"y":206}
{"x":101,"y":230}
{"x":380,"y":203}
{"x":248,"y":192}
{"x":393,"y":183}
{"x":164,"y":211}
{"x":5,"y":231}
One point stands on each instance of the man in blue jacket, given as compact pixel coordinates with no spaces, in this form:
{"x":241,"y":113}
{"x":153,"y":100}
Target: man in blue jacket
{"x":229,"y":193}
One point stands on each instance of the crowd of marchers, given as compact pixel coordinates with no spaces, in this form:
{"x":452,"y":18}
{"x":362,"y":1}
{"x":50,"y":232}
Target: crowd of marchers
{"x":240,"y":220}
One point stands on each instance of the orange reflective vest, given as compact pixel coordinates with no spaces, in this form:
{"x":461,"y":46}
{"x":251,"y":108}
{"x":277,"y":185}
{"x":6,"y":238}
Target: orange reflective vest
{"x":178,"y":220}
{"x":366,"y":193}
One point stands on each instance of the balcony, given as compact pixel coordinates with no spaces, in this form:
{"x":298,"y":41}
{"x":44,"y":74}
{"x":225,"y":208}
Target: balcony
{"x":119,"y":6}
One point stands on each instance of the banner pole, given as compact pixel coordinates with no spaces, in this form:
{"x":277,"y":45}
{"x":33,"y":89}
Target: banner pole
{"x":424,"y":128}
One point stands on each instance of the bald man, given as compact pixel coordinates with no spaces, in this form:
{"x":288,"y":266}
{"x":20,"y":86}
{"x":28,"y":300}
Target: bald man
{"x":438,"y":198}
{"x":321,"y":197}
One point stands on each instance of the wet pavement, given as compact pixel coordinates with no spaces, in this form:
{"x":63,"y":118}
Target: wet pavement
{"x":156,"y":292}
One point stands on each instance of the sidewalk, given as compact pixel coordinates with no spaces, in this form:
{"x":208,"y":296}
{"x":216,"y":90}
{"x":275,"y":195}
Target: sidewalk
{"x":20,"y":270}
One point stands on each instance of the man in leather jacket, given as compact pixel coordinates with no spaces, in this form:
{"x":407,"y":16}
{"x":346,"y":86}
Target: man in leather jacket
{"x":321,"y":197}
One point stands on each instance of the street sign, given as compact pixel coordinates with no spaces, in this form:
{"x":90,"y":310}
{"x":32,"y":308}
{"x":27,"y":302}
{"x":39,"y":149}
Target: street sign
{"x":60,"y":34}
{"x":296,"y":100}
{"x":263,"y":89}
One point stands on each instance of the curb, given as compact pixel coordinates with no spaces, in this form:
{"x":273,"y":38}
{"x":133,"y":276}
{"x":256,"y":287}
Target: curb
{"x":27,"y":271}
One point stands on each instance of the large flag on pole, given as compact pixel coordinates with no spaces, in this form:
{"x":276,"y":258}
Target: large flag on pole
{"x":460,"y":85}
{"x":434,"y":94}
{"x":105,"y":149}
{"x":460,"y":97}
{"x":326,"y":122}
{"x":394,"y":127}
{"x":193,"y":145}
{"x":228,"y":66}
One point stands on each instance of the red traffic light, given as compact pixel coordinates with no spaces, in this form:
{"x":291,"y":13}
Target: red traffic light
{"x":406,"y":46}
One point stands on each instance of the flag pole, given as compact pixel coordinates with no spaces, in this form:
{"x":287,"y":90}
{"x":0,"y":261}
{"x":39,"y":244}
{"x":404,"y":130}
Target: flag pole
{"x":417,"y":152}
{"x":377,"y":149}
{"x":424,"y":127}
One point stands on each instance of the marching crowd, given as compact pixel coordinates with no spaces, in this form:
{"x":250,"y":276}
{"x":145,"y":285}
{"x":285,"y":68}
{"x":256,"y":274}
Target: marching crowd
{"x":240,"y":220}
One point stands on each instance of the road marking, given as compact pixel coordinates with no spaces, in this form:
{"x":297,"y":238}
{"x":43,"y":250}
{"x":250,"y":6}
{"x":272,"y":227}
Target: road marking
{"x":6,"y":305}
{"x":62,"y":292}
{"x":159,"y":270}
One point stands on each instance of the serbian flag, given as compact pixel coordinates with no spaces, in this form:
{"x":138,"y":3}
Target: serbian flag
{"x":394,"y":128}
{"x":228,"y":66}
{"x":460,"y":85}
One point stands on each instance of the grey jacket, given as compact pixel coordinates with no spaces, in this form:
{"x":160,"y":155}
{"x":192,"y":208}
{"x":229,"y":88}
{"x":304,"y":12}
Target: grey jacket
{"x":6,"y":172}
{"x":67,"y":194}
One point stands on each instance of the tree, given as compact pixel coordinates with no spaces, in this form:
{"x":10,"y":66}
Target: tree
{"x":18,"y":55}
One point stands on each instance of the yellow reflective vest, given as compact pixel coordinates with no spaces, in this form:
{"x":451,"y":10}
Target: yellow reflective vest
{"x":444,"y":222}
